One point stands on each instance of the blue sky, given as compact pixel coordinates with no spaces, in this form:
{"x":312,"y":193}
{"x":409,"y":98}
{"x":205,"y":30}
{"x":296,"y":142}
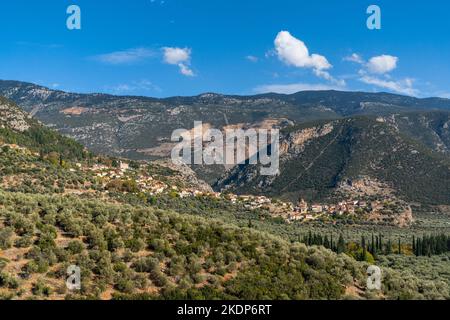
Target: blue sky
{"x":180,"y":47}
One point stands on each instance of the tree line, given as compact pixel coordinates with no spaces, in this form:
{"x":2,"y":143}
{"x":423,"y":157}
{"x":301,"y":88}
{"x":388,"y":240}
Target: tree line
{"x":431,"y":245}
{"x":426,"y":245}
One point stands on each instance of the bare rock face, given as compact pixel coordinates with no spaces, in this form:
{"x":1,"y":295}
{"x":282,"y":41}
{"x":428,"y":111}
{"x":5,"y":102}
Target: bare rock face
{"x":296,"y":141}
{"x":366,"y":186}
{"x":12,"y":117}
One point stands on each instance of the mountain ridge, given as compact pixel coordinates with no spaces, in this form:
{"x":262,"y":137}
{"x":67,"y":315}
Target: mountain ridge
{"x":316,"y":158}
{"x":140,"y":127}
{"x":129,"y":244}
{"x":5,"y":84}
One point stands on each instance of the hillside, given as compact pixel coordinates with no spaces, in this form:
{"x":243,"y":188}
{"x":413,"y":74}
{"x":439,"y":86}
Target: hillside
{"x":18,"y":127}
{"x":60,"y":206}
{"x":430,"y":128}
{"x":140,"y":127}
{"x":319,"y":158}
{"x":127,"y":252}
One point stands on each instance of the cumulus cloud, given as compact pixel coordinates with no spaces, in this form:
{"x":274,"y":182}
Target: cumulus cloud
{"x":180,"y":57}
{"x":293,"y":88}
{"x":176,"y":55}
{"x":126,"y":56}
{"x":376,"y":65}
{"x":376,"y":72}
{"x":294,"y":52}
{"x":382,"y":64}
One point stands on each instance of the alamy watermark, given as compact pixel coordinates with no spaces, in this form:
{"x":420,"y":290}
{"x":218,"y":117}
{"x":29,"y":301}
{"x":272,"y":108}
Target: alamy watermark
{"x":374,"y":278}
{"x":73,"y":281}
{"x":73,"y":22}
{"x":374,"y":20}
{"x":206,"y":146}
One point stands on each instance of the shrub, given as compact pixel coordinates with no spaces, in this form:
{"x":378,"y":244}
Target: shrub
{"x":7,"y":281}
{"x":41,"y":289}
{"x":75,"y":247}
{"x":6,"y":235}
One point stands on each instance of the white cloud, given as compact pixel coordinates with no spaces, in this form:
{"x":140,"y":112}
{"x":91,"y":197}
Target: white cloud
{"x":180,"y":57}
{"x":176,"y":55}
{"x":293,"y":52}
{"x":185,"y":70}
{"x":327,"y":76}
{"x":126,"y":56}
{"x":404,"y":86}
{"x":378,"y":65}
{"x":354,"y":58}
{"x":376,"y":72}
{"x":293,"y":88}
{"x":382,"y":64}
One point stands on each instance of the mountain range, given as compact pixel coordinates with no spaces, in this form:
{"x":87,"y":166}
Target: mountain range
{"x":401,"y":141}
{"x":140,"y":127}
{"x":62,"y":205}
{"x":317,"y":158}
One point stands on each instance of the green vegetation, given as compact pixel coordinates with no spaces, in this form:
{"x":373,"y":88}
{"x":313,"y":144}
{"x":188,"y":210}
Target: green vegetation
{"x":431,"y":245}
{"x":37,"y":137}
{"x":131,"y":243}
{"x":358,"y":146}
{"x":34,"y":173}
{"x":368,"y":249}
{"x":131,"y":252}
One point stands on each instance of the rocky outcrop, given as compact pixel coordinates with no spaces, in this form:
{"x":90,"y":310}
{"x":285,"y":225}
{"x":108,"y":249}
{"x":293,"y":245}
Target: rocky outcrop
{"x":12,"y":117}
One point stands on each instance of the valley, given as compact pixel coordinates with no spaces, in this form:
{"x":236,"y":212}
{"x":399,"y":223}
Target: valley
{"x":359,"y":184}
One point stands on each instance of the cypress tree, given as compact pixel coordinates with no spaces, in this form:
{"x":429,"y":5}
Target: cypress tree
{"x":364,"y":249}
{"x":388,"y":247}
{"x":373,"y":245}
{"x":326,"y":242}
{"x":340,"y":244}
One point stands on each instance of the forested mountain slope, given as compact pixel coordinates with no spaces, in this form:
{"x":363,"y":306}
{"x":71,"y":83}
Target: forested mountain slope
{"x":319,"y":157}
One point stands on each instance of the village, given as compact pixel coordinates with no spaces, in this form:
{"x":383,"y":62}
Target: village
{"x":304,"y":211}
{"x":288,"y":211}
{"x":125,"y":176}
